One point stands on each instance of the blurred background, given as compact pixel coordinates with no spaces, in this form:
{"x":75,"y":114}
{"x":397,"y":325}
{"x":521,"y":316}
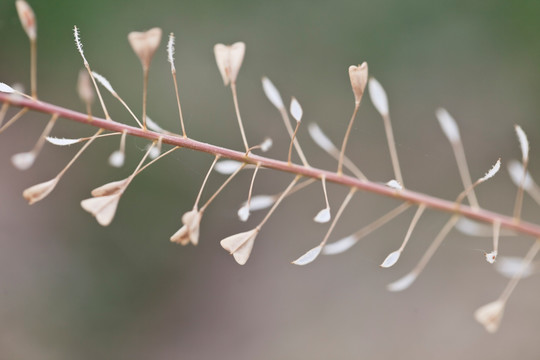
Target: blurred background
{"x":72,"y":289}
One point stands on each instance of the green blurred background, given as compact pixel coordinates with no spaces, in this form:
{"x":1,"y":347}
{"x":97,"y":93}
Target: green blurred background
{"x":70,"y":289}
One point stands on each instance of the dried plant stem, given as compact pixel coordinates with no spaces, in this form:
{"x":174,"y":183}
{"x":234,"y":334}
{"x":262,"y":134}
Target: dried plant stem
{"x":205,"y":180}
{"x":392,"y":147}
{"x":338,"y":215}
{"x":237,"y":110}
{"x":81,"y":150}
{"x":278,"y":201}
{"x":156,"y":159}
{"x":414,"y":221}
{"x":177,"y":140}
{"x":145,"y":95}
{"x":3,"y":112}
{"x":178,"y":102}
{"x":435,"y":245}
{"x":463,"y":168}
{"x":496,"y":235}
{"x":368,"y":229}
{"x":344,"y":145}
{"x":229,"y":179}
{"x":33,"y":68}
{"x":105,"y":111}
{"x":519,"y":195}
{"x":13,"y":119}
{"x":292,"y":141}
{"x":287,"y":122}
{"x":252,"y":182}
{"x":44,"y":134}
{"x":524,"y":264}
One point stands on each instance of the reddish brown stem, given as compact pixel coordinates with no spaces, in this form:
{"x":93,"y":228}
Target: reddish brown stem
{"x":178,"y":140}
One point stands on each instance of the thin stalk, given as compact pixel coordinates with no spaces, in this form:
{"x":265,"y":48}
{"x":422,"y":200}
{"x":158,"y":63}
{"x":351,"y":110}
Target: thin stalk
{"x":205,"y":180}
{"x":519,"y":195}
{"x":392,"y":147}
{"x":237,"y":110}
{"x":81,"y":150}
{"x":287,"y":122}
{"x":524,"y":264}
{"x":44,"y":134}
{"x":338,"y":215}
{"x":156,"y":159}
{"x":414,"y":221}
{"x":346,"y":138}
{"x":252,"y":182}
{"x":278,"y":201}
{"x":145,"y":94}
{"x":292,"y":141}
{"x":3,"y":111}
{"x":173,"y":71}
{"x":33,"y":68}
{"x":229,"y":179}
{"x":435,"y":245}
{"x":15,"y":117}
{"x":463,"y":168}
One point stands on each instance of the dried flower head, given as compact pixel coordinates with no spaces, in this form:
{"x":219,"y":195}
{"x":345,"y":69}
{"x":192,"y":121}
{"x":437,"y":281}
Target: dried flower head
{"x":359,"y":78}
{"x":103,"y":207}
{"x":240,"y":245}
{"x":28,"y":19}
{"x":189,"y":232}
{"x":145,"y":44}
{"x":229,"y":60}
{"x":39,"y":191}
{"x":84,"y":87}
{"x":111,"y":188}
{"x":490,"y":315}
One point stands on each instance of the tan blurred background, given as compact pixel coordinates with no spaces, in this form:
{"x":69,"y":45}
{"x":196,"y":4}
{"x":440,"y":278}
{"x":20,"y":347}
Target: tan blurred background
{"x":70,"y":289}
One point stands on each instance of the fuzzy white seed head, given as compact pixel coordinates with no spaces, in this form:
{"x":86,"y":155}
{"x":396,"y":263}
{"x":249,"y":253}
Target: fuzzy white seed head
{"x":523,"y":143}
{"x":152,"y":125}
{"x":394,"y":184}
{"x":309,"y":256}
{"x":515,"y":168}
{"x":261,"y":202}
{"x":378,"y":97}
{"x":117,"y":159}
{"x":510,"y":266}
{"x":391,"y":259}
{"x":227,"y":167}
{"x":61,"y":141}
{"x":402,"y":283}
{"x":104,"y":82}
{"x":340,"y":246}
{"x":170,"y":51}
{"x":491,"y":257}
{"x":320,"y":138}
{"x":448,"y":125}
{"x":272,"y":93}
{"x":24,"y":160}
{"x":266,"y":144}
{"x":243,"y":213}
{"x":6,"y":88}
{"x":296,"y":110}
{"x":323,"y":216}
{"x":79,"y":44}
{"x":492,"y":171}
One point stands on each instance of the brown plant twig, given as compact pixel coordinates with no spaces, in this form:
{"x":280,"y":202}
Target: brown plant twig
{"x":378,"y":188}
